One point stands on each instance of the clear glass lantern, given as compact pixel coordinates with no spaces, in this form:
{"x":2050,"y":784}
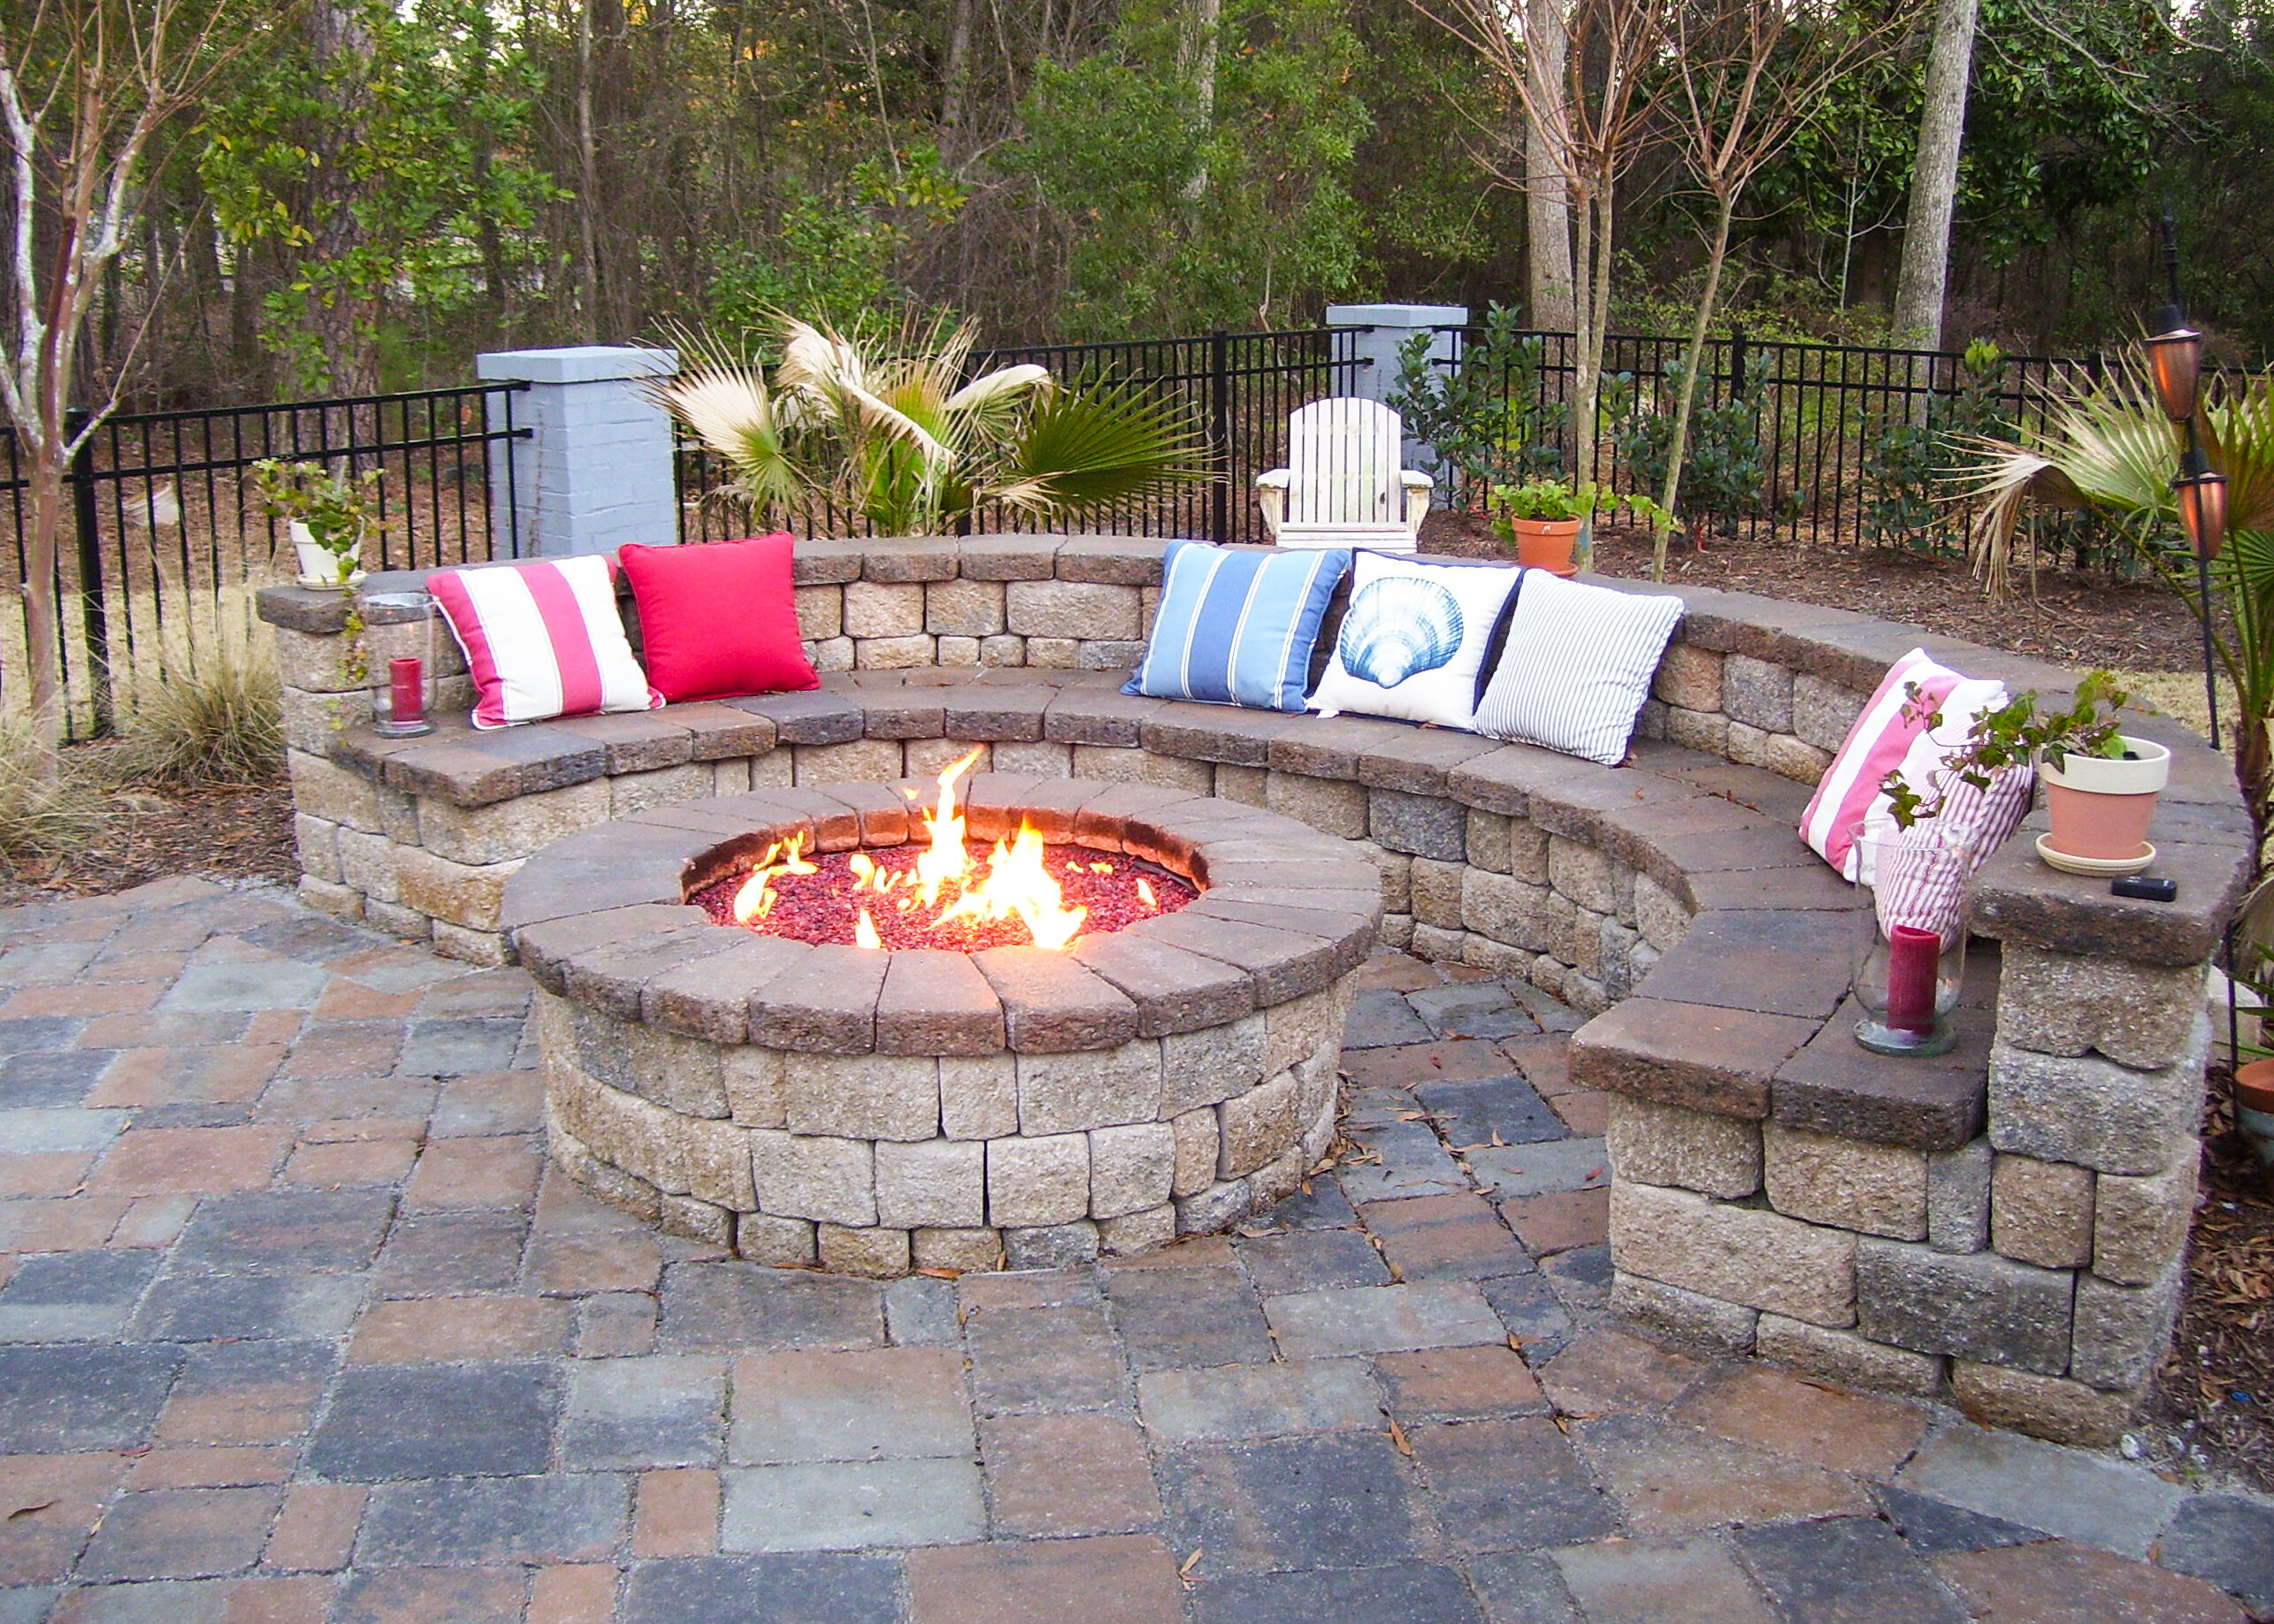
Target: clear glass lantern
{"x":1910,"y":936}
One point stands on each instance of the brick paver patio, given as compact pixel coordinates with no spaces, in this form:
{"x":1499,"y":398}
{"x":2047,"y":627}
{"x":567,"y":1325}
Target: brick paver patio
{"x":296,"y":1325}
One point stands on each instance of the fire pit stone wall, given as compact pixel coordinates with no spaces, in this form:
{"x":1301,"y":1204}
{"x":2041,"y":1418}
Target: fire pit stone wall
{"x":876,"y":1112}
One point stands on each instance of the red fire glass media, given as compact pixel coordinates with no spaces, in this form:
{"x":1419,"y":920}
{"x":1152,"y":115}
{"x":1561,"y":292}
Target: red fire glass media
{"x":1913,"y":957}
{"x":1112,"y":889}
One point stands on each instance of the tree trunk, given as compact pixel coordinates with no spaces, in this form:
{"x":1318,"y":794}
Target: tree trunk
{"x":44,"y":486}
{"x":1547,"y":172}
{"x":339,"y":321}
{"x":1935,"y":178}
{"x":1686,"y":401}
{"x":1207,"y":15}
{"x":956,"y":74}
{"x":588,"y":184}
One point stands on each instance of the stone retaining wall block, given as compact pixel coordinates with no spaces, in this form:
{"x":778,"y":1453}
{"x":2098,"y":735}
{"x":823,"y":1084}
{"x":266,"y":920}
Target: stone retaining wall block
{"x":830,"y":1180}
{"x":2140,"y":1225}
{"x":1739,"y":1254}
{"x":2095,"y":1112}
{"x":1757,"y":693}
{"x":1487,"y":841}
{"x":1851,"y":1183}
{"x":1653,"y":1143}
{"x":1979,"y":1307}
{"x":1135,"y":1232}
{"x":2121,"y":1331}
{"x":1697,"y":730}
{"x":1823,"y":711}
{"x":978,"y":1096}
{"x":1723,"y":1326}
{"x":1958,"y":1198}
{"x":1688,"y":676}
{"x":1038,"y":1183}
{"x":1202,"y":1068}
{"x":873,"y":1253}
{"x":1419,"y":826}
{"x":2140,"y":1016}
{"x":1257,"y":1125}
{"x":777,"y":1243}
{"x":965,"y":1251}
{"x":935,"y":1183}
{"x":1847,"y":1358}
{"x":2045,"y":1406}
{"x":862,"y":1097}
{"x":883,"y":610}
{"x":1132,"y":1170}
{"x":2041,"y":1212}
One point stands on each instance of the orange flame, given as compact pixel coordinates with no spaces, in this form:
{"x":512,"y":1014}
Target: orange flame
{"x":1016,"y":883}
{"x":864,"y":932}
{"x":755,"y":900}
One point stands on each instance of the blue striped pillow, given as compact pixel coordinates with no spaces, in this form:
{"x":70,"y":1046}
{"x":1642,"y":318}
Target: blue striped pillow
{"x":1237,"y":627}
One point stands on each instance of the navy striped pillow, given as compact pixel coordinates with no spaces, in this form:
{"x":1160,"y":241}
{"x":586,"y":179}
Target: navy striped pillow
{"x":1237,"y":627}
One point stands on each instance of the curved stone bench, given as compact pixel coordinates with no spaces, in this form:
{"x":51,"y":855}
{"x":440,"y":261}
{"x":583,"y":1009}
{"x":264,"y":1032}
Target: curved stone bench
{"x":2004,"y":1224}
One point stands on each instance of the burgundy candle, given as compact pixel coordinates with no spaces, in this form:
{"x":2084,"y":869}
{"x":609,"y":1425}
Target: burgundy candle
{"x":407,"y":688}
{"x":1913,"y":956}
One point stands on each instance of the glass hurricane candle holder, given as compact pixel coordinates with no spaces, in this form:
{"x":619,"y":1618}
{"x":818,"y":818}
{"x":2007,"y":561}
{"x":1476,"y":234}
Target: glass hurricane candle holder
{"x":1910,"y":937}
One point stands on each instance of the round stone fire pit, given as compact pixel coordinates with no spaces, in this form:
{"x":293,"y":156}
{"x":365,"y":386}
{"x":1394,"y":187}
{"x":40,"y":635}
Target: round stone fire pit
{"x":879,"y":1110}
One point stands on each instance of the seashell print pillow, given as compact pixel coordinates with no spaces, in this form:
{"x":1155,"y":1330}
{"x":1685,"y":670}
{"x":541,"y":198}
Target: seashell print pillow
{"x":1415,"y":638}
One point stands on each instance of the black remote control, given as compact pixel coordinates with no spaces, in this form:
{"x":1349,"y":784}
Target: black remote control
{"x":2153,"y":889}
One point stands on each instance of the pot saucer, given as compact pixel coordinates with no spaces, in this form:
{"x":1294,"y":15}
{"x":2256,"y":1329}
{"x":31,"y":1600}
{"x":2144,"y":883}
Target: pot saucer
{"x":318,"y":584}
{"x":2099,"y":866}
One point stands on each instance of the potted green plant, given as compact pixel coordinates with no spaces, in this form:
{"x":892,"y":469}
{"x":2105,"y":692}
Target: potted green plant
{"x":1542,"y":519}
{"x":330,"y":515}
{"x":2101,"y":783}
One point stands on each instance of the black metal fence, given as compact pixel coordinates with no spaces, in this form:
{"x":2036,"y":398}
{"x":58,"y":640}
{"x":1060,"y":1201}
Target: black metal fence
{"x":1825,"y":411}
{"x":1237,"y":389}
{"x":166,"y":539}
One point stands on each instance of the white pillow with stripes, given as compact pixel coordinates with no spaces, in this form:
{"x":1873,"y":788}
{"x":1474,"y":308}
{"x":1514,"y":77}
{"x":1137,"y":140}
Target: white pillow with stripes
{"x":542,"y":638}
{"x":1577,"y":667}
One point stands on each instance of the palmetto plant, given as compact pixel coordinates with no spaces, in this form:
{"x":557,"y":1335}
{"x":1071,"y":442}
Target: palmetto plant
{"x":2106,"y":448}
{"x":893,"y":432}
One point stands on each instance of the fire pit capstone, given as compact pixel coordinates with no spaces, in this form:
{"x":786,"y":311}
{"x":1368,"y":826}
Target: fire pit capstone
{"x":876,"y":1111}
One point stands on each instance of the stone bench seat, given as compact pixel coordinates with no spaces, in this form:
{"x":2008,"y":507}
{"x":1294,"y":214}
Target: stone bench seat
{"x":2003,"y":1224}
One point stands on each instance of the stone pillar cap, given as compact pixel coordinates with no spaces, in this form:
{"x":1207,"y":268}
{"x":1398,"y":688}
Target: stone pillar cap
{"x":578,"y":363}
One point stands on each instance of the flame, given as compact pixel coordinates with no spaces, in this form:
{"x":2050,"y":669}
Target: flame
{"x":1015,"y":885}
{"x":1145,"y":892}
{"x":755,"y":900}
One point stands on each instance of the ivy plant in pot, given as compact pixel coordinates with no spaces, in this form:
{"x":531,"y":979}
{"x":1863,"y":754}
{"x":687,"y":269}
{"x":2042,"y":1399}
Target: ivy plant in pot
{"x":329,"y":512}
{"x":2101,"y":783}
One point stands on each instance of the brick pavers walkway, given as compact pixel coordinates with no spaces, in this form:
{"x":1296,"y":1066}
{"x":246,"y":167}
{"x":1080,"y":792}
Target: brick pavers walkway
{"x":297,"y":1326}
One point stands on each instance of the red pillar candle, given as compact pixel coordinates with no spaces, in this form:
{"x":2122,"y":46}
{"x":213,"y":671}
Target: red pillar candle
{"x":1913,"y":956}
{"x":407,"y":689}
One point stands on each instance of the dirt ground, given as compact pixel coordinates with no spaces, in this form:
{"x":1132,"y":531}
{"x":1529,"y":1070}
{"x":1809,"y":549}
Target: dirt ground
{"x":237,"y":834}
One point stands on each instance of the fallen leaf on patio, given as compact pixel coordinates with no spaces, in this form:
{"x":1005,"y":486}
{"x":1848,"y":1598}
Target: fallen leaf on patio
{"x":1397,"y":1436}
{"x":26,"y":1511}
{"x":1191,"y":1562}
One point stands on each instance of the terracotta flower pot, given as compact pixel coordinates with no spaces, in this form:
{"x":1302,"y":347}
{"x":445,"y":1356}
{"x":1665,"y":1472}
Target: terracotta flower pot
{"x":1546,"y":544}
{"x":2100,"y":808}
{"x":2254,"y":1106}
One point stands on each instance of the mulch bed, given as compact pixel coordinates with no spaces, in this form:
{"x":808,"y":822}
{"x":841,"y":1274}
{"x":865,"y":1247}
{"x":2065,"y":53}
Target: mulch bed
{"x":2067,"y":618}
{"x":228,"y":832}
{"x":2212,"y":1408}
{"x":822,"y":907}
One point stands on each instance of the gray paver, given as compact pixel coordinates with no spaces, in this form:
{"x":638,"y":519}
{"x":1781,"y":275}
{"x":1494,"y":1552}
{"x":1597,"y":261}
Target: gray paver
{"x":1337,"y":1499}
{"x":1518,"y":1587}
{"x":846,"y":1505}
{"x":1542,"y":1168}
{"x":1405,"y":1593}
{"x":211,"y":1308}
{"x":1845,"y":1570}
{"x":2089,"y":1498}
{"x":73,"y":1296}
{"x":1412,"y":1163}
{"x":455,"y":1046}
{"x":2227,"y":1540}
{"x":1382,"y":1320}
{"x":660,"y":1410}
{"x":1380,"y":1019}
{"x":51,"y":1079}
{"x":71,"y":1397}
{"x":562,"y":1517}
{"x":437,"y":1421}
{"x":267,"y":983}
{"x":733,"y":1307}
{"x":1267,"y":1400}
{"x":43,"y":1132}
{"x":1504,"y":1109}
{"x":919,"y":1311}
{"x":793,"y":1589}
{"x":1932,"y":1528}
{"x":892,"y":1403}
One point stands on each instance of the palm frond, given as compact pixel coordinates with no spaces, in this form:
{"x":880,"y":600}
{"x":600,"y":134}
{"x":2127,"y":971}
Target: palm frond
{"x":1083,"y":449}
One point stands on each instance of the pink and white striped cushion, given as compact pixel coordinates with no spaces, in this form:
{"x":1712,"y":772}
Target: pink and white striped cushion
{"x":542,"y":638}
{"x":1893,"y":734}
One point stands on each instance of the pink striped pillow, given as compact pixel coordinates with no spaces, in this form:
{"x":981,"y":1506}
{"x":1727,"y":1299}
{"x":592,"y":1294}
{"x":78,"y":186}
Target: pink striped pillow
{"x":542,"y":640}
{"x":1892,"y":734}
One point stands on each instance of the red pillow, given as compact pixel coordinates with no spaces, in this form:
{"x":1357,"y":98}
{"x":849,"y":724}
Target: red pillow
{"x":719,"y":619}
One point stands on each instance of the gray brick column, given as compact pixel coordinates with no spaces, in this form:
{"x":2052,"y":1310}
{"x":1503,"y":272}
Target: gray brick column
{"x":1378,"y":332}
{"x":596,"y":471}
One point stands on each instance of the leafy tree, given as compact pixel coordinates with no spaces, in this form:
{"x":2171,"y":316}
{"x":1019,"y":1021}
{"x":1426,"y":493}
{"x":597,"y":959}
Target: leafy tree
{"x":377,"y":147}
{"x":1909,"y":468}
{"x":1113,"y":145}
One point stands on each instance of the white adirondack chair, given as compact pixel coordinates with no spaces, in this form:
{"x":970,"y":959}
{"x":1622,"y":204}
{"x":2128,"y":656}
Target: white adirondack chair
{"x":1342,"y":485}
